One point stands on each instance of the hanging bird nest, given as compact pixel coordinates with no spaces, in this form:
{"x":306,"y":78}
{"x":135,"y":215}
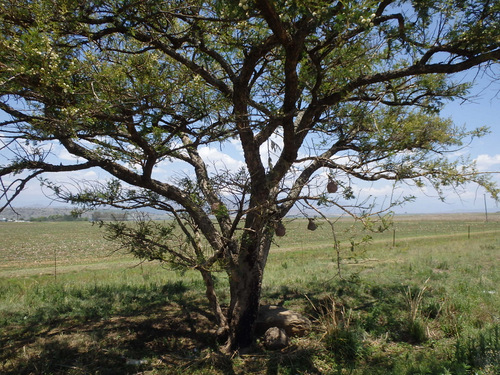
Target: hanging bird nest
{"x":332,"y":186}
{"x":280,"y":230}
{"x":312,"y":225}
{"x":215,"y":207}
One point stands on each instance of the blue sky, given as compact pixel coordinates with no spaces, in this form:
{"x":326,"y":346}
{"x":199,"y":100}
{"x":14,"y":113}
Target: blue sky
{"x":483,"y":109}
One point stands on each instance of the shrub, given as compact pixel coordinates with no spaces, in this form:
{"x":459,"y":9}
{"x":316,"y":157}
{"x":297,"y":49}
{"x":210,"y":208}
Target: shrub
{"x":480,"y":352}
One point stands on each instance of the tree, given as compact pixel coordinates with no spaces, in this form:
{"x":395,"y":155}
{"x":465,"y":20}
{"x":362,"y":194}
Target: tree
{"x":314,"y":92}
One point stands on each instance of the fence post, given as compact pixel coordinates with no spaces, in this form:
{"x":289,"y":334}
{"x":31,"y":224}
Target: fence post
{"x":55,"y":263}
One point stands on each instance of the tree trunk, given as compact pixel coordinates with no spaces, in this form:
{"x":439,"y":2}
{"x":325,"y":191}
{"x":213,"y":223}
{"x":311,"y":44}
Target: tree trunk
{"x":213,"y":300}
{"x":245,"y":284}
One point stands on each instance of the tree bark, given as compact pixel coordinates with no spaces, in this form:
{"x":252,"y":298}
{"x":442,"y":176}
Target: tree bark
{"x":213,"y":300}
{"x":245,"y":281}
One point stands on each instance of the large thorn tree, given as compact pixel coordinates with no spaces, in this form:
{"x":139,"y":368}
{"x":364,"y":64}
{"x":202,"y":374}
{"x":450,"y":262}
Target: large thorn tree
{"x":310,"y":91}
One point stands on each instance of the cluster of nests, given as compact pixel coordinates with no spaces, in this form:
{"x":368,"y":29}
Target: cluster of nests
{"x":331,"y":187}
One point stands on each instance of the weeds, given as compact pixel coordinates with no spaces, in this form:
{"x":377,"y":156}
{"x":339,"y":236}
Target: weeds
{"x":416,"y":327}
{"x":480,"y":352}
{"x":340,"y":336}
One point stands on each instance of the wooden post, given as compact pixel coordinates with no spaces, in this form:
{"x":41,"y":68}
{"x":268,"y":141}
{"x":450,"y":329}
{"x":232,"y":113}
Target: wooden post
{"x":485,"y":207}
{"x":55,"y":263}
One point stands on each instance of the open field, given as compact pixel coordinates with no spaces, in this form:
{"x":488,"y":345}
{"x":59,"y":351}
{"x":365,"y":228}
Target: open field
{"x":422,"y":297}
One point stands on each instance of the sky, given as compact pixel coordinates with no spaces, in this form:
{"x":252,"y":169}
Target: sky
{"x":483,"y":109}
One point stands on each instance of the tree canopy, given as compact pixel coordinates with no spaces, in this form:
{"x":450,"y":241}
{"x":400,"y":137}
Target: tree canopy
{"x":314,"y":92}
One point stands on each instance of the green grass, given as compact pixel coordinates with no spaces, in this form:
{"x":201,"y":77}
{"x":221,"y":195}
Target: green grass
{"x":426,"y":303}
{"x":26,"y":245}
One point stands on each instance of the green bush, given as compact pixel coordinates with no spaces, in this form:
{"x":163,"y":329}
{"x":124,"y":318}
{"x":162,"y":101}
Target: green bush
{"x":346,"y":345}
{"x":480,"y":352}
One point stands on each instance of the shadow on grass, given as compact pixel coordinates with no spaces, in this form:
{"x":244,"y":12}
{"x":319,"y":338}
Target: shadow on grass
{"x":128,"y":329}
{"x":168,"y":329}
{"x":107,"y":330}
{"x":300,"y":361}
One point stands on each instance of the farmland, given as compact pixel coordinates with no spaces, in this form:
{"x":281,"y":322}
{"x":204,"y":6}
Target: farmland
{"x":421,"y":297}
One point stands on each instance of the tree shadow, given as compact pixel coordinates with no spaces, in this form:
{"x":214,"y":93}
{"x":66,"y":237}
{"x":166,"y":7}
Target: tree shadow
{"x":147,"y":330}
{"x":298,"y":361}
{"x":60,"y":356}
{"x":169,"y":329}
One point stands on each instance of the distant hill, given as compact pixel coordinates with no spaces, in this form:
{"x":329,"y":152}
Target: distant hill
{"x":27,"y":213}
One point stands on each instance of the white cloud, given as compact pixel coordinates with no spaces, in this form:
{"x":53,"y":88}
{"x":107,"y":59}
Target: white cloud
{"x":235,"y":142}
{"x":219,"y":160}
{"x":65,"y":155}
{"x":90,"y":175}
{"x":271,"y":150}
{"x":385,"y":190}
{"x":485,"y":162}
